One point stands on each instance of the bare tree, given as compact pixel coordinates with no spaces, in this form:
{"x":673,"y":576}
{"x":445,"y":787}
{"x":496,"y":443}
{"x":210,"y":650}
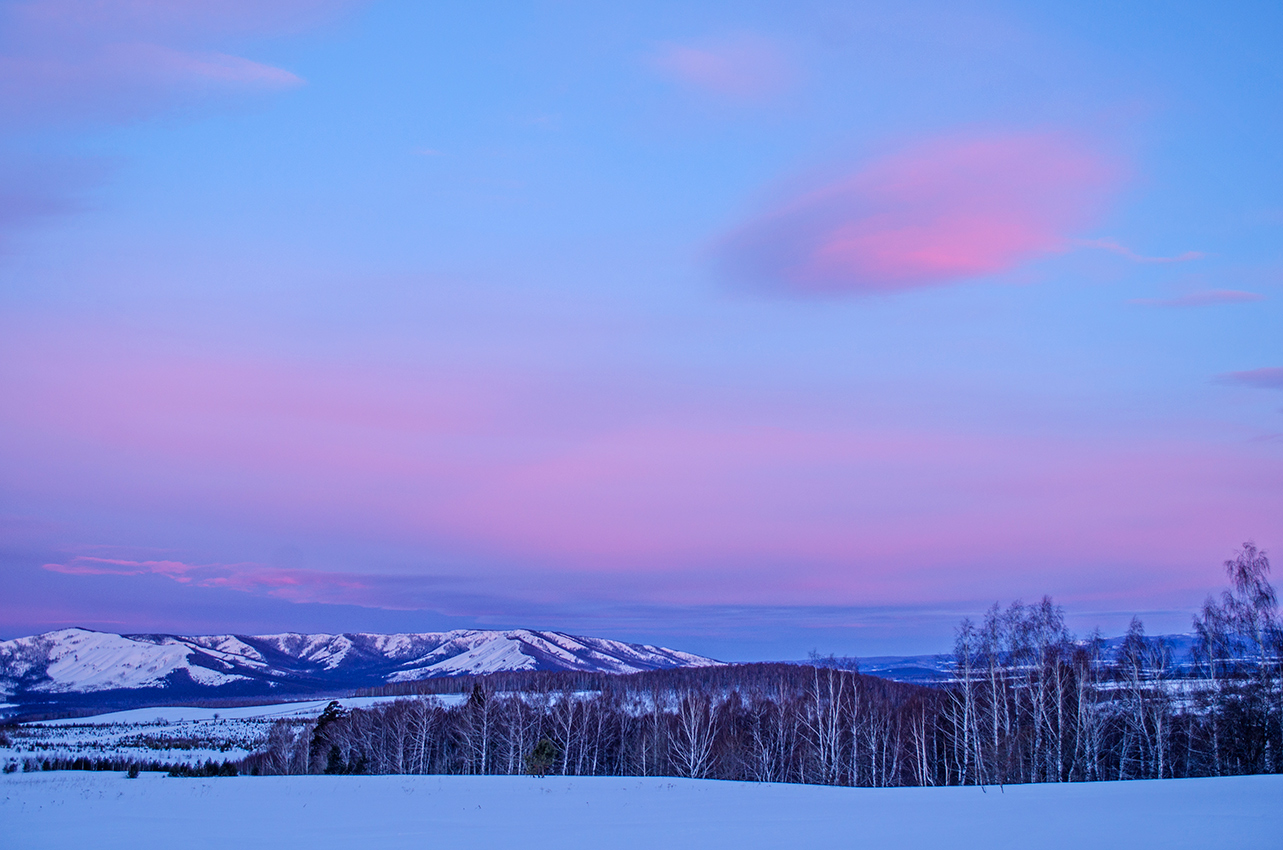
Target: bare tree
{"x":692,"y":734}
{"x":1027,"y":703}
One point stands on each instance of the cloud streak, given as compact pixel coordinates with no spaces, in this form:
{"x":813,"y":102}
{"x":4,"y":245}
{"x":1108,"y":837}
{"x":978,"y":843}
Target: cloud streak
{"x":1114,"y":247}
{"x":1202,"y":299}
{"x":35,"y":190}
{"x":1268,"y":378}
{"x":290,"y":585}
{"x":944,"y":211}
{"x":77,"y":62}
{"x":743,"y":67}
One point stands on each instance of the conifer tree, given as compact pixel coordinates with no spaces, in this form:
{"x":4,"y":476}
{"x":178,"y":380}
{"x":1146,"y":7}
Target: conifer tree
{"x":542,"y":758}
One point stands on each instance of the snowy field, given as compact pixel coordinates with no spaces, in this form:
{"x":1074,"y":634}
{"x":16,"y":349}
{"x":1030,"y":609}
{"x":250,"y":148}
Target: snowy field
{"x":192,"y":714}
{"x":168,"y":734}
{"x":71,"y":810}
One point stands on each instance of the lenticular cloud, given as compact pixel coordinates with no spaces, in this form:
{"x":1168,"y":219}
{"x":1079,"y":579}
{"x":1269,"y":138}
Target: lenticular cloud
{"x":947,"y":211}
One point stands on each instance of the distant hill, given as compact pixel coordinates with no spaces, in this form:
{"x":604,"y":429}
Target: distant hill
{"x":934,"y":669}
{"x":72,"y":668}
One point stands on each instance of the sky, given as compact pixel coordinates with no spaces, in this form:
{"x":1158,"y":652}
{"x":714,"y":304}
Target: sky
{"x":744,"y":328}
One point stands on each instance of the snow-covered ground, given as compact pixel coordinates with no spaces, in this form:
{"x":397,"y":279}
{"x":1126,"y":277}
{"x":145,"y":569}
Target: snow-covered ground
{"x":64,"y":810}
{"x":168,"y":734}
{"x":191,"y":714}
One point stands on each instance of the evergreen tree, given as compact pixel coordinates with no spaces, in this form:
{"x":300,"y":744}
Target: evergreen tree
{"x":542,"y":758}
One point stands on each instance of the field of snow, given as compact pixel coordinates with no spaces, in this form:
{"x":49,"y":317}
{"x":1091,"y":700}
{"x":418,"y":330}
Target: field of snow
{"x":63,"y":810}
{"x":168,"y":734}
{"x":192,"y":714}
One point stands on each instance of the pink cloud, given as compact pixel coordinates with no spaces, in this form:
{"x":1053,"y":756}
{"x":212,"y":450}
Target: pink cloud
{"x":945,"y":211}
{"x":292,"y":585}
{"x":1268,"y":378}
{"x":84,"y":565}
{"x":742,"y":67}
{"x":1200,"y":299}
{"x":1114,"y":247}
{"x":393,"y":592}
{"x":114,"y":60}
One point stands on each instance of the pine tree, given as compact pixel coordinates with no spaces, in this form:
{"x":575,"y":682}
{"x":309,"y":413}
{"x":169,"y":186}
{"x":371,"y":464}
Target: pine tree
{"x":542,"y":758}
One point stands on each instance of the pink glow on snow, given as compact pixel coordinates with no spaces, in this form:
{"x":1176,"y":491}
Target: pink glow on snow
{"x":745,"y":66}
{"x":945,"y":211}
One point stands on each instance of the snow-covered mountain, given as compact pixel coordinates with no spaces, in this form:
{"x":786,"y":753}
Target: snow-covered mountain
{"x":79,"y":661}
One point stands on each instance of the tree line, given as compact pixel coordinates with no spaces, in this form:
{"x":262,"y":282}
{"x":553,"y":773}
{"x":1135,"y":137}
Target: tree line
{"x":1027,"y":703}
{"x":131,"y":766}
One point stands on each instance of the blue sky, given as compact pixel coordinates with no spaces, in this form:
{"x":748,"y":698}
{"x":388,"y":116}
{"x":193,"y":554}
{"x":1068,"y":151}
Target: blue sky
{"x":748,"y":328}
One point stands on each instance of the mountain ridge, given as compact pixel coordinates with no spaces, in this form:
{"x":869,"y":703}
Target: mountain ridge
{"x":71,"y":663}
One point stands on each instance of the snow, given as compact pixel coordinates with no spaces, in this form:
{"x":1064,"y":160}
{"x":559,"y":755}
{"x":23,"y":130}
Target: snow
{"x":170,"y":734}
{"x":59,"y":810}
{"x":486,"y":656}
{"x":229,"y":648}
{"x":83,"y":661}
{"x":392,"y":646}
{"x":181,"y":713}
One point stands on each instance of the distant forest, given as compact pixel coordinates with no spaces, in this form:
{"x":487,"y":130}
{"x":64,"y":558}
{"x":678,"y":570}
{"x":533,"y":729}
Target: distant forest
{"x":1027,"y":703}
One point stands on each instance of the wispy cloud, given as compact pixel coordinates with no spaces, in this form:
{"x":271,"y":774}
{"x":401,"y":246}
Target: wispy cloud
{"x":76,"y":64}
{"x":1115,"y":247}
{"x":1201,"y":299}
{"x":83,"y":565}
{"x":291,"y":585}
{"x":32,"y":190}
{"x":947,"y":210}
{"x":1268,"y":378}
{"x":76,"y":61}
{"x":742,"y":67}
